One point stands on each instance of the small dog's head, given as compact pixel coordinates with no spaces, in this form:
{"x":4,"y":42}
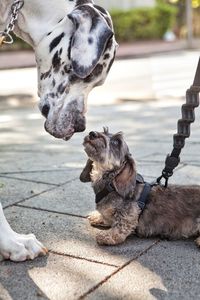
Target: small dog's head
{"x":110,"y":153}
{"x":105,"y":148}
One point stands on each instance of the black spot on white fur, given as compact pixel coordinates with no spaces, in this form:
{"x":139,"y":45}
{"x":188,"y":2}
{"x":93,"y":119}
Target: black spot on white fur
{"x":45,"y":74}
{"x":61,"y":88}
{"x":90,"y":40}
{"x":56,"y":62}
{"x":56,"y":41}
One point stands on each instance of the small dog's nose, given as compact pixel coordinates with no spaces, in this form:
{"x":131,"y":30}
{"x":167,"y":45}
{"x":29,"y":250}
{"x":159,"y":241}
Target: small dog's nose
{"x":45,"y":110}
{"x":93,"y":135}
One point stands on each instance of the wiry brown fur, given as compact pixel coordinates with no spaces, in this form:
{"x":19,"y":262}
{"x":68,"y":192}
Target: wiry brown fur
{"x":172,"y":212}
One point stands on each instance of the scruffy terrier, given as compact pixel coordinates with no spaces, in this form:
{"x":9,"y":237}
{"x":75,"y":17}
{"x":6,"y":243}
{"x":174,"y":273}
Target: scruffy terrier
{"x":172,"y":212}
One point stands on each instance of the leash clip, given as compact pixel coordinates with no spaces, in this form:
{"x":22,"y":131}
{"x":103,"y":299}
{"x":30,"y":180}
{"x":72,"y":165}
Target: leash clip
{"x":5,"y":38}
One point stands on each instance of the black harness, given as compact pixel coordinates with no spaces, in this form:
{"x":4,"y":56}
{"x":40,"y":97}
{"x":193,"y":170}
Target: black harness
{"x":142,"y":201}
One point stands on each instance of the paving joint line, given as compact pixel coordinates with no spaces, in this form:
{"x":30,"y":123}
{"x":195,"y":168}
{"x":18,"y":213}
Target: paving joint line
{"x":117,"y":271}
{"x":50,"y":211}
{"x":35,"y":195}
{"x":40,"y":171}
{"x":28,"y":180}
{"x":83,"y":258}
{"x":193,"y":164}
{"x":38,"y":194}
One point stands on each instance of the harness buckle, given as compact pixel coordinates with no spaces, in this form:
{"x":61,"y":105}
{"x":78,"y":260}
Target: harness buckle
{"x":110,"y":187}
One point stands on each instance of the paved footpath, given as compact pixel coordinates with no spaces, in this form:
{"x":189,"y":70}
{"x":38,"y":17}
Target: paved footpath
{"x":42,"y":194}
{"x":26,"y":58}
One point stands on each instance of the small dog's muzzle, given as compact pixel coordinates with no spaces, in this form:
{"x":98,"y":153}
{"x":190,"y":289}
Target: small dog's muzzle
{"x":93,"y":135}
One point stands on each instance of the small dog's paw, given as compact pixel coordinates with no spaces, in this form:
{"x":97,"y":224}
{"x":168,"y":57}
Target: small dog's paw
{"x":107,"y":238}
{"x":96,"y":219}
{"x":197,"y":241}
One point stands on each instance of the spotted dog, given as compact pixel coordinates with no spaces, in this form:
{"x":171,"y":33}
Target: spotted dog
{"x":74,"y":48}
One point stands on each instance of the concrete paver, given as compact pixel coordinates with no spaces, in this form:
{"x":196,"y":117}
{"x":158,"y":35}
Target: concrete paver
{"x":73,"y":236}
{"x":54,"y":277}
{"x":51,"y":177}
{"x":59,"y":199}
{"x":169,"y":270}
{"x":13,"y":191}
{"x":42,"y":174}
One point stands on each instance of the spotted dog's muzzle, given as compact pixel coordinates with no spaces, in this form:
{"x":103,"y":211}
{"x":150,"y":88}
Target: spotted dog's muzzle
{"x":66,"y":122}
{"x":72,"y":59}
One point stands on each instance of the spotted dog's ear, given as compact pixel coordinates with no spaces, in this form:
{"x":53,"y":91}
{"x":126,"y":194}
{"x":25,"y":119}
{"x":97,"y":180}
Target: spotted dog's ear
{"x":89,"y":40}
{"x":85,"y":174}
{"x":125,"y":181}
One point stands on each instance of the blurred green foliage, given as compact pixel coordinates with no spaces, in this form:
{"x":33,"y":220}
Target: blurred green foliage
{"x":144,"y":23}
{"x":180,"y":27}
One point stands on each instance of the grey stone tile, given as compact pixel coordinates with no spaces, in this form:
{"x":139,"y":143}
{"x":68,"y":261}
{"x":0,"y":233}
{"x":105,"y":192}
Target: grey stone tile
{"x":47,"y":160}
{"x":154,"y":158}
{"x":13,"y":190}
{"x":54,"y":277}
{"x":72,"y":236}
{"x":152,"y":170}
{"x":72,"y":198}
{"x":58,"y":176}
{"x":149,"y":169}
{"x":189,"y":154}
{"x":169,"y":270}
{"x":187,"y":175}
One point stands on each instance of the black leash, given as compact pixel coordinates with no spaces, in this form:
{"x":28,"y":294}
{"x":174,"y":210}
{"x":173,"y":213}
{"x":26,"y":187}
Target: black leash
{"x":183,"y":128}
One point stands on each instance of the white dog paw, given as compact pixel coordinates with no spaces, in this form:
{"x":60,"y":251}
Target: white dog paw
{"x":20,"y":247}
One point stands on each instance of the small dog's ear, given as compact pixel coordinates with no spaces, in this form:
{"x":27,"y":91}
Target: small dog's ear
{"x":85,"y":174}
{"x":125,"y":181}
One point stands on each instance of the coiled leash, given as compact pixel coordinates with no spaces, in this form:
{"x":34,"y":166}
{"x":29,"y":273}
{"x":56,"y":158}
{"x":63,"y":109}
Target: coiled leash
{"x":183,"y":128}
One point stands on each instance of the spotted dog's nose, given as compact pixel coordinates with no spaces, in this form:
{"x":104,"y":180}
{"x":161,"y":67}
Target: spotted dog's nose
{"x":93,"y":135}
{"x":45,"y":110}
{"x":80,"y":124}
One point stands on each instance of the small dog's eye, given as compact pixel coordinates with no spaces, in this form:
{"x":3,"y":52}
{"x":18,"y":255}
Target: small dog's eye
{"x":115,"y":142}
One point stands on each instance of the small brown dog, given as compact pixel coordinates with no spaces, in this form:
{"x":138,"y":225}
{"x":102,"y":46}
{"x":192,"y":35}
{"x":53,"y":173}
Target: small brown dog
{"x":172,"y":212}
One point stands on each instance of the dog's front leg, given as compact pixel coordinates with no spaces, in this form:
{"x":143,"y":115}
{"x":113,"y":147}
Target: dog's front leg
{"x":17,"y":247}
{"x":115,"y":235}
{"x":96,"y":219}
{"x":124,"y":225}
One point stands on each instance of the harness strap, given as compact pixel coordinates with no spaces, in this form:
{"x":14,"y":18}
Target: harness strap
{"x":183,"y":128}
{"x":109,"y":188}
{"x":144,"y":196}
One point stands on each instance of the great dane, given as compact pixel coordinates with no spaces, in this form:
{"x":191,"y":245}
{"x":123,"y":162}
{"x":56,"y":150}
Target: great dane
{"x":74,"y":48}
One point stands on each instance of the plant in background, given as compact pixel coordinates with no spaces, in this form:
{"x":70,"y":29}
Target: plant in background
{"x":144,"y":23}
{"x":181,"y":29}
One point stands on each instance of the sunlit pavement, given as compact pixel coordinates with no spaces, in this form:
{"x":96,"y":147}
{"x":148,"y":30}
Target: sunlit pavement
{"x":42,"y":194}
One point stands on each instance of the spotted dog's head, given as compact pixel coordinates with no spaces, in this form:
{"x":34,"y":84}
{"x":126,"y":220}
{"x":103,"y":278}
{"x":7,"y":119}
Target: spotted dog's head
{"x":72,"y":59}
